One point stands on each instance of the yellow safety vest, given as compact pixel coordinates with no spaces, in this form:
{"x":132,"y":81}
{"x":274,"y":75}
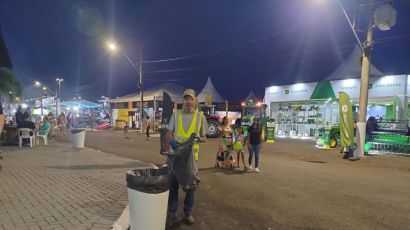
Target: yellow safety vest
{"x":194,"y":127}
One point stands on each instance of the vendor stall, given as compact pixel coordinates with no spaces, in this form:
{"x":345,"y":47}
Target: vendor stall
{"x":302,"y":109}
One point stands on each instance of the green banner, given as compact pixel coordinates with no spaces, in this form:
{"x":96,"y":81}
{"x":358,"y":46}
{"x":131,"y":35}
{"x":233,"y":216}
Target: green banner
{"x":345,"y":120}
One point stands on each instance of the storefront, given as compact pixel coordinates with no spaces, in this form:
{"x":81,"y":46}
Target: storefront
{"x":301,"y":109}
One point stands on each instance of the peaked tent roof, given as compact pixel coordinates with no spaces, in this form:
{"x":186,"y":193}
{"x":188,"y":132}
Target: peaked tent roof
{"x":175,"y":91}
{"x":209,"y":90}
{"x":250,"y":96}
{"x":351,"y":68}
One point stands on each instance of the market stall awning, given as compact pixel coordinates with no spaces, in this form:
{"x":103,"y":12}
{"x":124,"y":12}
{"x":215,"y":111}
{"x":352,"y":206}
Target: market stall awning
{"x":156,"y":92}
{"x":84,"y":104}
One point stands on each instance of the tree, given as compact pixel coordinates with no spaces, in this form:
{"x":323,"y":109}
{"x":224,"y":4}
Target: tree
{"x":9,"y":84}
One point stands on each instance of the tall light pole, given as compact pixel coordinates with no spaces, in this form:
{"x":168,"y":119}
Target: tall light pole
{"x":141,"y":91}
{"x":42,"y":91}
{"x":58,"y":96}
{"x":113,"y":47}
{"x":384,"y":18}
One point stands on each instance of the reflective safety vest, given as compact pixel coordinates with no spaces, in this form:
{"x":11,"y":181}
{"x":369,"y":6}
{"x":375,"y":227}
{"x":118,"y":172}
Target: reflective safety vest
{"x":195,"y":127}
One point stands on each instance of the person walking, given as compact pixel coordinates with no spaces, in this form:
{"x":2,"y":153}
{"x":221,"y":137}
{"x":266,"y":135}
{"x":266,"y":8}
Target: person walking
{"x":147,"y":126}
{"x":62,"y":123}
{"x":180,"y":128}
{"x":126,"y":128}
{"x":254,"y":143}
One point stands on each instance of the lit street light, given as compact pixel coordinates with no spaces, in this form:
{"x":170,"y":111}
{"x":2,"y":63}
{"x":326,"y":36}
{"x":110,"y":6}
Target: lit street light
{"x":113,"y":47}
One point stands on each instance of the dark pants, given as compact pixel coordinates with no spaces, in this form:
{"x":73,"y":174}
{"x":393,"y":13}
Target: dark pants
{"x":147,"y":130}
{"x":254,"y":149}
{"x":173,"y":197}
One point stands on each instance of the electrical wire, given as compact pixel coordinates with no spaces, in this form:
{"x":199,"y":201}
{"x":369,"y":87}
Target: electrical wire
{"x":228,"y":47}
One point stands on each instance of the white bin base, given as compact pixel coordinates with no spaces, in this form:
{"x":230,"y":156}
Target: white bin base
{"x":147,"y":211}
{"x":78,"y":140}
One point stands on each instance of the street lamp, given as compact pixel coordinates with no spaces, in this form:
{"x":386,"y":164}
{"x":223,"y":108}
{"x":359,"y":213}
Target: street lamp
{"x":38,"y":84}
{"x":384,"y":17}
{"x":58,"y":96}
{"x":112,"y":46}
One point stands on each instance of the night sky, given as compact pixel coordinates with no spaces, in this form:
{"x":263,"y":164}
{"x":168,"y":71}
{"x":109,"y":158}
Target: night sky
{"x":242,"y":44}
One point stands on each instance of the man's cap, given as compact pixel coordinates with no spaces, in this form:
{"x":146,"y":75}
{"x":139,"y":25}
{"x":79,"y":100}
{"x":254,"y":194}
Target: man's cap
{"x":189,"y":92}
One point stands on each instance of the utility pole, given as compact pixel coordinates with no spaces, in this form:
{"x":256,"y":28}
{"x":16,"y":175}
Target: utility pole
{"x":141,"y":90}
{"x":364,"y":88}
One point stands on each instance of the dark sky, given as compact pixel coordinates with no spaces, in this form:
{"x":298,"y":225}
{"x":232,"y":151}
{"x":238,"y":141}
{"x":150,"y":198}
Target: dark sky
{"x":243,"y":45}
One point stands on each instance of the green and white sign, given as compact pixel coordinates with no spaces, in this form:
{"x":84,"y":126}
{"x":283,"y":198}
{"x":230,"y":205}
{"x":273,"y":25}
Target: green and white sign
{"x":345,"y":120}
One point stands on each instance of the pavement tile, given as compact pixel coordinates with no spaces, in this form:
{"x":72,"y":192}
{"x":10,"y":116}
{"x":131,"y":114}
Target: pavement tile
{"x":56,"y":187}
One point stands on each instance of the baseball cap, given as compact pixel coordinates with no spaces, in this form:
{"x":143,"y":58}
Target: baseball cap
{"x":189,"y":92}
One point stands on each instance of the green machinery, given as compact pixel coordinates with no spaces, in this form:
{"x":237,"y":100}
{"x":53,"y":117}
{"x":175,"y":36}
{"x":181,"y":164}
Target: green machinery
{"x":250,"y":110}
{"x":328,"y":137}
{"x":390,"y":137}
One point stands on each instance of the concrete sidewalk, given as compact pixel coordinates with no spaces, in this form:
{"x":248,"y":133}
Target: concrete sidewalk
{"x":58,"y":187}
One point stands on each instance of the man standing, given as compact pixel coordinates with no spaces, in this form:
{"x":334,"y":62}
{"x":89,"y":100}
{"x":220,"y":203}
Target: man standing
{"x":19,"y":115}
{"x":181,"y":125}
{"x":147,"y":127}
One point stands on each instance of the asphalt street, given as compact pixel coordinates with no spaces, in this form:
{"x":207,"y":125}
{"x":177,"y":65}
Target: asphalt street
{"x":299,"y":187}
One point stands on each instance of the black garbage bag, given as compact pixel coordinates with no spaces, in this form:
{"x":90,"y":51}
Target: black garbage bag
{"x":149,"y":179}
{"x":183,"y":165}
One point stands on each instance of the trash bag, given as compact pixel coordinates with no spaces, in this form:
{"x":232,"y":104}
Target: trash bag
{"x":149,"y":178}
{"x":183,"y":165}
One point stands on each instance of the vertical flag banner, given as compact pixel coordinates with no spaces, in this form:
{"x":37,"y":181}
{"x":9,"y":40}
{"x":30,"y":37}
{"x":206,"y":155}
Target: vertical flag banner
{"x":345,"y":120}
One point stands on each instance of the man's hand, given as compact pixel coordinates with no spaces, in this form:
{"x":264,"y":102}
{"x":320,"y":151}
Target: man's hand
{"x":202,"y":139}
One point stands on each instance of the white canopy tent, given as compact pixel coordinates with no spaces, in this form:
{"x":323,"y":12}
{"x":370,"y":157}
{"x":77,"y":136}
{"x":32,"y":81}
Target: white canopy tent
{"x":351,"y":68}
{"x":209,"y":90}
{"x":154,"y":93}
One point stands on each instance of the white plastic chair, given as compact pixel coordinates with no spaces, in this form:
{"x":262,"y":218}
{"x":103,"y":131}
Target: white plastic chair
{"x":44,"y":136}
{"x":27,"y":133}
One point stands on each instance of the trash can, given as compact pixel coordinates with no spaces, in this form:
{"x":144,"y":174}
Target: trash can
{"x":78,"y":138}
{"x":148,"y":189}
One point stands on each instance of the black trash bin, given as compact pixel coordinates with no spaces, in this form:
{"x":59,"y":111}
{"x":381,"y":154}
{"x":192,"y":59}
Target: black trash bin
{"x":148,"y":190}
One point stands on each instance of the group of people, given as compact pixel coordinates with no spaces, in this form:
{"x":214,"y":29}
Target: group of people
{"x":234,"y":140}
{"x":189,"y":121}
{"x":49,"y":122}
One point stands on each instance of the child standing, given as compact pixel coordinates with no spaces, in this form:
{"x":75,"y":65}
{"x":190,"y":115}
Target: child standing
{"x":126,"y":127}
{"x":240,"y":141}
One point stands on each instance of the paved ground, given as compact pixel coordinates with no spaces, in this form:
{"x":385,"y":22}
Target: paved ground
{"x":57,"y":187}
{"x":300,"y":187}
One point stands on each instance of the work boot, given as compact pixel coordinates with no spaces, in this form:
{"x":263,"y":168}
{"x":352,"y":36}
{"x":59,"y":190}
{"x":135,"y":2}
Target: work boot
{"x":172,"y":218}
{"x":189,"y":219}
